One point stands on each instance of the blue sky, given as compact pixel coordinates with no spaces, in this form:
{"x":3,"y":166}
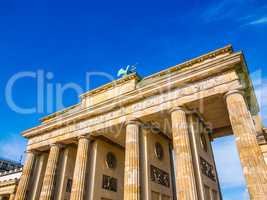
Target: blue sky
{"x":70,"y":38}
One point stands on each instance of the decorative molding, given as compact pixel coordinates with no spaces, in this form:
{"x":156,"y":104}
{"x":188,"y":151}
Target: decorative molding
{"x":241,"y":92}
{"x":133,"y":121}
{"x":83,"y":136}
{"x":179,"y":108}
{"x":198,"y":60}
{"x":18,"y":170}
{"x":59,"y":145}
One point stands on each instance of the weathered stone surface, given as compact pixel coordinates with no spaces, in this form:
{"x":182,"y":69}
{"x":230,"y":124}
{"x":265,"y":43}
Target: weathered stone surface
{"x":110,"y":91}
{"x":50,"y":172}
{"x":132,"y":162}
{"x":251,"y":157}
{"x":79,"y":177}
{"x":25,"y":177}
{"x":106,"y":181}
{"x":12,"y":197}
{"x":39,"y":171}
{"x":185,"y":178}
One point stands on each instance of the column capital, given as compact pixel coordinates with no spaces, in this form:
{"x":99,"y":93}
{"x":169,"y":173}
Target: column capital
{"x":83,"y":137}
{"x":241,"y":92}
{"x":34,"y":152}
{"x":78,"y":184}
{"x":59,"y":145}
{"x":31,"y":151}
{"x":133,"y":121}
{"x":178,"y":108}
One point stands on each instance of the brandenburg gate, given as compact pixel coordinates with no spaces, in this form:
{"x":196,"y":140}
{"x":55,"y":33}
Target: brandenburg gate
{"x":149,"y":138}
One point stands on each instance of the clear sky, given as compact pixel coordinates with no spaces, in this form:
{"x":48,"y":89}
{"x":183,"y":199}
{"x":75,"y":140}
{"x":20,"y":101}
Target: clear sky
{"x":70,"y":38}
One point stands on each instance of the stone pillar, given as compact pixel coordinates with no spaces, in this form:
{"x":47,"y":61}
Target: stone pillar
{"x":38,"y":176}
{"x":251,"y":157}
{"x":25,"y":177}
{"x":132,"y":159}
{"x":79,"y":176}
{"x":12,"y":197}
{"x":185,"y":179}
{"x":50,"y":172}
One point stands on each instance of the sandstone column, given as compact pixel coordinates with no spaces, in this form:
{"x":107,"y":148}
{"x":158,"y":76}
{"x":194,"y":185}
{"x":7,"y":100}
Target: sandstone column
{"x":79,"y":177}
{"x":132,"y":166}
{"x":50,"y":172}
{"x":251,"y":157}
{"x":38,"y":176}
{"x":12,"y":197}
{"x":185,"y":178}
{"x":25,"y":177}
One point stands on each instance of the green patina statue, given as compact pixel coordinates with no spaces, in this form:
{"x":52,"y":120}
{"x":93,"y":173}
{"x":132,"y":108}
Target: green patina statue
{"x":129,"y":70}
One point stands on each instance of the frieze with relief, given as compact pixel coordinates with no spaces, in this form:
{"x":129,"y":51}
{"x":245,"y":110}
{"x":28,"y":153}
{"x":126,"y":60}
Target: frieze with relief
{"x":109,"y":183}
{"x":207,"y":169}
{"x":159,"y":176}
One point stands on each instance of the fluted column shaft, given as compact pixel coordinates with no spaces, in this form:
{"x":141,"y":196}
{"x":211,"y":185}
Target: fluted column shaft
{"x":12,"y":197}
{"x":25,"y":177}
{"x":132,"y":166}
{"x":79,"y":177}
{"x":50,"y":172}
{"x":185,"y":179}
{"x":251,"y":157}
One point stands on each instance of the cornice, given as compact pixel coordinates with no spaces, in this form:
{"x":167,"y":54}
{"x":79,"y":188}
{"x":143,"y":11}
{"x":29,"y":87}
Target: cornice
{"x":18,"y":170}
{"x":241,"y":92}
{"x":250,"y":94}
{"x":227,"y":49}
{"x":8,"y":182}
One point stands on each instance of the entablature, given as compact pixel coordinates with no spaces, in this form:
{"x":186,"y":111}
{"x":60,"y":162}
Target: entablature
{"x":216,"y":73}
